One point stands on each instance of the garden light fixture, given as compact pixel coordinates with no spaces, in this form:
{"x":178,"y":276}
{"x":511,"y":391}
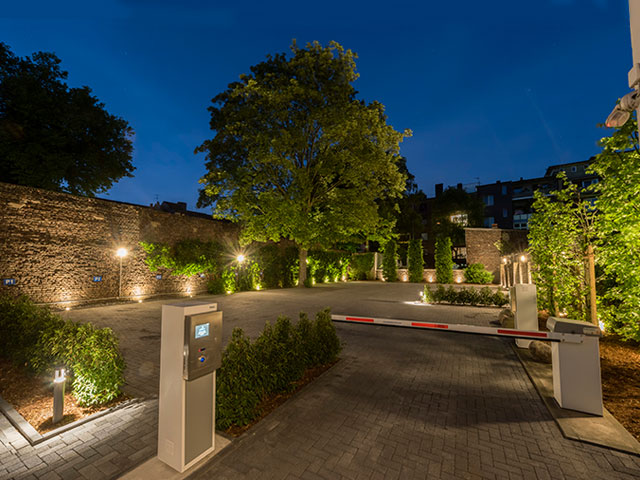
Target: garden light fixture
{"x":121,"y":253}
{"x":58,"y":394}
{"x":240,"y":258}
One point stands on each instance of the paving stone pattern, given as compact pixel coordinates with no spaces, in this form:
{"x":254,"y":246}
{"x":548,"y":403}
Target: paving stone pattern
{"x":401,"y":404}
{"x":404,"y":404}
{"x":101,"y":449}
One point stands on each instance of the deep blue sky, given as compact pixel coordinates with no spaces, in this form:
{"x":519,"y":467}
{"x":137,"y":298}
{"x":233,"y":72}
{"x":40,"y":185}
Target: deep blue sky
{"x":492,"y":90}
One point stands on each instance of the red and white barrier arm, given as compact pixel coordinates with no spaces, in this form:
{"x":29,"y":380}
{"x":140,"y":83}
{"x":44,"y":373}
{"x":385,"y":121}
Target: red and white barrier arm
{"x":453,"y":327}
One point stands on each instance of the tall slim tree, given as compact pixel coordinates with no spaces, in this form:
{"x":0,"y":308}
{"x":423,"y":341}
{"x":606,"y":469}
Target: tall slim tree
{"x":53,"y":136}
{"x":296,"y":155}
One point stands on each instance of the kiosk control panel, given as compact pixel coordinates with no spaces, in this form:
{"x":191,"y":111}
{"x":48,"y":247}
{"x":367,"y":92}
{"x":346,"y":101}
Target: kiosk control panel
{"x":202,"y":344}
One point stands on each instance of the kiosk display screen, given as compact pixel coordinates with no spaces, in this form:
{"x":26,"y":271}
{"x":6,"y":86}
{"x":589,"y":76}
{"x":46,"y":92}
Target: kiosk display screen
{"x":202,"y":330}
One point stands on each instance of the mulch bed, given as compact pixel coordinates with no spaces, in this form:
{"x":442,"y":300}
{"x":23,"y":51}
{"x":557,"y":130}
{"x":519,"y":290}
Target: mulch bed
{"x":32,"y":397}
{"x":620,"y":364}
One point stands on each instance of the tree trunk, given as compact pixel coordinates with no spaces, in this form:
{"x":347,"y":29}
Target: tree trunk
{"x":592,"y":286}
{"x":302,"y":274}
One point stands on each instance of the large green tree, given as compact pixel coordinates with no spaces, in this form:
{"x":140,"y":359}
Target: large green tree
{"x":618,"y":225}
{"x":296,"y":155}
{"x":53,"y":136}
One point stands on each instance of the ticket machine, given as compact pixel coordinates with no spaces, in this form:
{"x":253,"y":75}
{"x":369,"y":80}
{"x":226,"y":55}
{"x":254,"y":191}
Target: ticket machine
{"x":190,"y":353}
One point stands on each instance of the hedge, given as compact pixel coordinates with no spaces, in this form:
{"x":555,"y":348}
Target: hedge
{"x":476,"y":273}
{"x":360,"y":266}
{"x":270,"y":365}
{"x":390,"y":262}
{"x":464,"y":296}
{"x":415,"y":261}
{"x":35,"y":337}
{"x":444,"y":261}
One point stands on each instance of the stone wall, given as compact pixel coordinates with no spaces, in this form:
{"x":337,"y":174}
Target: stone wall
{"x":54,"y":244}
{"x":481,"y":246}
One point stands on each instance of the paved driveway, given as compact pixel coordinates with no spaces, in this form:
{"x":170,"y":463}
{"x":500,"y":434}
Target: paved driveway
{"x":138,"y":324}
{"x":401,"y":403}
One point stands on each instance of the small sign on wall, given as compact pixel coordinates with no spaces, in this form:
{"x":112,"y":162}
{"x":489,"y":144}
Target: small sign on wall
{"x":97,"y":278}
{"x":159,"y":276}
{"x":8,"y":281}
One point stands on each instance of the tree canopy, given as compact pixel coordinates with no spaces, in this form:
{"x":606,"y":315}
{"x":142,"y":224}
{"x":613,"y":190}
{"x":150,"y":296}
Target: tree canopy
{"x":53,"y":136}
{"x":296,"y":155}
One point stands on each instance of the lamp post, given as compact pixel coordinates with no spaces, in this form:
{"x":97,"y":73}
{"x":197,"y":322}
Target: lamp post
{"x":58,"y":395}
{"x":121,"y":253}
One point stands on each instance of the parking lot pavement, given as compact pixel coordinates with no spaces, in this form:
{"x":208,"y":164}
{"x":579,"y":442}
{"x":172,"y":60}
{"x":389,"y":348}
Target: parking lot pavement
{"x":400,"y":404}
{"x":405,"y":404}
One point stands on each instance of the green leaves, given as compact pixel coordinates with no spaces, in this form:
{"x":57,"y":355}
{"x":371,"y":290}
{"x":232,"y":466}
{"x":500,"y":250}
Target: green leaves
{"x":56,"y":137}
{"x":295,"y":155}
{"x":390,"y":261}
{"x":415,"y":261}
{"x":444,"y":260}
{"x":476,"y":273}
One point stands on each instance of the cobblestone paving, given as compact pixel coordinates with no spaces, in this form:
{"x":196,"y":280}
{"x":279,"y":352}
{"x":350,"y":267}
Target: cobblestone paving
{"x":403,"y":404}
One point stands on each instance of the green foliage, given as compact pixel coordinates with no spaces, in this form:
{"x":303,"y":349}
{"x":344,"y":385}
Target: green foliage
{"x":464,"y":296}
{"x":476,"y":273}
{"x":187,"y":257}
{"x":455,"y":201}
{"x":270,"y":365}
{"x":559,"y":232}
{"x":35,"y":337}
{"x":327,"y":266}
{"x":444,"y":260}
{"x":288,"y":155}
{"x":390,"y":262}
{"x":238,"y":383}
{"x":415,"y":261}
{"x":279,"y":265}
{"x":360,"y":266}
{"x":56,"y":137}
{"x":618,"y":226}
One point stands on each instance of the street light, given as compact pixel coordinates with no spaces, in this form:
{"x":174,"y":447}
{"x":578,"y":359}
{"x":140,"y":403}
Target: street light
{"x":121,"y":253}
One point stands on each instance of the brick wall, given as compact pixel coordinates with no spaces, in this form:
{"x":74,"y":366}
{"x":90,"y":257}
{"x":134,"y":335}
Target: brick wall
{"x":481,"y":246}
{"x":53,"y":244}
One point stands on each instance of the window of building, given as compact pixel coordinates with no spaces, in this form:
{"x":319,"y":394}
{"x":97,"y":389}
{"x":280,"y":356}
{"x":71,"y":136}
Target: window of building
{"x":574,"y":169}
{"x":488,"y":200}
{"x":489,"y":221}
{"x":504,"y":189}
{"x":505,"y":212}
{"x":460,"y":219}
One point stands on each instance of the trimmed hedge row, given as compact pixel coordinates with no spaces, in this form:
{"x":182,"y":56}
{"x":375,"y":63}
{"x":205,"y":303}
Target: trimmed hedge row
{"x":464,"y":296}
{"x":271,"y":364}
{"x":40,"y":340}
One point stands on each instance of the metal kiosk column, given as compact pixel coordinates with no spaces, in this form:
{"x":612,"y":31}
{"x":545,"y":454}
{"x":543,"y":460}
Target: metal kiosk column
{"x":190,"y":353}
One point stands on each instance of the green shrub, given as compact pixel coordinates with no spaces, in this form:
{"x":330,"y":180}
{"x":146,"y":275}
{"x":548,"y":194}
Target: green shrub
{"x":360,"y":266}
{"x":464,"y":296}
{"x":239,"y":386}
{"x":390,"y":262}
{"x":444,"y":260}
{"x":476,"y":273}
{"x":327,"y":266}
{"x":279,"y":265}
{"x":187,"y":257}
{"x":35,"y":337}
{"x":270,"y":365}
{"x":415,"y":261}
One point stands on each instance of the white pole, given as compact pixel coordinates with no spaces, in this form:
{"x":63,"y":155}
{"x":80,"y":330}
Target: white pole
{"x":120,"y":280}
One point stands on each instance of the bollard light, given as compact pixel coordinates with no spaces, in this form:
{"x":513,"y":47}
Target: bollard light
{"x":121,"y":253}
{"x":58,"y":394}
{"x":240,"y":258}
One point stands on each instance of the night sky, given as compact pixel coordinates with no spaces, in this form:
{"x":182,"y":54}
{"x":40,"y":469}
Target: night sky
{"x":493,"y":90}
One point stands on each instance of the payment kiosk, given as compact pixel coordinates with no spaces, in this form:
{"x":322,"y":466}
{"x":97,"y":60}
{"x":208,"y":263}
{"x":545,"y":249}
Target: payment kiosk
{"x":190,"y":353}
